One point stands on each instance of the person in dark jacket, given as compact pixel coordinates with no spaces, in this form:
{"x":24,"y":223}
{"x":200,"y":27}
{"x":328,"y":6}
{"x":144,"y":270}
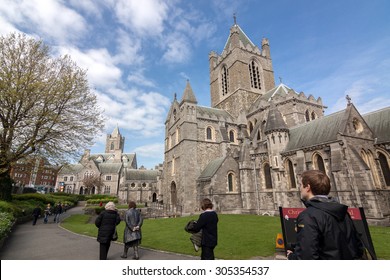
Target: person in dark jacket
{"x":36,"y":214}
{"x":106,"y":222}
{"x":325,"y":230}
{"x":207,"y":222}
{"x":57,"y":212}
{"x":132,"y":235}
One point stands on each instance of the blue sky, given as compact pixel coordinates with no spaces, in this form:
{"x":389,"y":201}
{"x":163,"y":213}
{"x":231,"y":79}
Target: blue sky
{"x":138,"y":53}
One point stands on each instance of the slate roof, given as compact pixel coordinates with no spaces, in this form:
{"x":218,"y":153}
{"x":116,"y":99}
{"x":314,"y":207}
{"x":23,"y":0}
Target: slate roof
{"x":141,"y":175}
{"x":188,"y":95}
{"x":212,"y":112}
{"x":275,"y":120}
{"x":107,"y":168}
{"x":318,"y":131}
{"x":211,"y":168}
{"x":379,"y":122}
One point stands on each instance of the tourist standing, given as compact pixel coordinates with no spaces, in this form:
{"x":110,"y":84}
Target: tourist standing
{"x":132,"y":235}
{"x":47,"y":213}
{"x":57,"y":212}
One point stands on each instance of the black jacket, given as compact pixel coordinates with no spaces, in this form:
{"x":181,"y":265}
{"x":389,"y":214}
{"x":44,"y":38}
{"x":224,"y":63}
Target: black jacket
{"x":106,"y":222}
{"x":325,"y":231}
{"x":207,"y":222}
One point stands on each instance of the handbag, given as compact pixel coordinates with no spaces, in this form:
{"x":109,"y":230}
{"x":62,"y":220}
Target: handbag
{"x":115,"y":236}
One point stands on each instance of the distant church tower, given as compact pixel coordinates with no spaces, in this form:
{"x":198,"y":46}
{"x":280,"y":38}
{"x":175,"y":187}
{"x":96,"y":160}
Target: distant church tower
{"x":115,"y":142}
{"x":241,"y":73}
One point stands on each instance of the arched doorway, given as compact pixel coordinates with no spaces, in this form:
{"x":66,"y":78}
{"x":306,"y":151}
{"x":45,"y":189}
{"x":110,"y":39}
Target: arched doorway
{"x":173,"y":194}
{"x":154,"y":197}
{"x":81,"y":190}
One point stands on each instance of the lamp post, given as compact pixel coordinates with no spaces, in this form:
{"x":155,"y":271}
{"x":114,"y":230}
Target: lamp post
{"x":256,"y":187}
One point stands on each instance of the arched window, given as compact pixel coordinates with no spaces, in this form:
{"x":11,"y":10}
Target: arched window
{"x":250,"y":127}
{"x":319,"y":163}
{"x":231,"y":182}
{"x":267,"y":176}
{"x":225,"y":80}
{"x":291,"y":175}
{"x":385,"y":167}
{"x":254,"y":75}
{"x":209,"y":133}
{"x":258,"y":135}
{"x":369,"y":160}
{"x":313,"y":115}
{"x":112,"y":146}
{"x":307,"y":115}
{"x":231,"y":136}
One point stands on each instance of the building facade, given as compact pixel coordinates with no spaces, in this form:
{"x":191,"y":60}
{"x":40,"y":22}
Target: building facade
{"x":34,"y":172}
{"x":246,"y":152}
{"x":113,"y":173}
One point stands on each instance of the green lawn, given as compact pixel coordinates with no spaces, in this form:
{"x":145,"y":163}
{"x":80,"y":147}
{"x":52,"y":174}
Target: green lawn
{"x":239,"y":236}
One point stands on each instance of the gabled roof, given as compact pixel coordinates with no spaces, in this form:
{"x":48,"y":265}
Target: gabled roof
{"x":71,"y":169}
{"x":211,"y":168}
{"x":280,"y":90}
{"x":242,"y":36}
{"x":107,"y":168}
{"x":318,"y":131}
{"x":379,"y":122}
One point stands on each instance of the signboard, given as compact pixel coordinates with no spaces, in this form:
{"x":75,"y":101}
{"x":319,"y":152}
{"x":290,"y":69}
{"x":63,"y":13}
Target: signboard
{"x":288,"y":217}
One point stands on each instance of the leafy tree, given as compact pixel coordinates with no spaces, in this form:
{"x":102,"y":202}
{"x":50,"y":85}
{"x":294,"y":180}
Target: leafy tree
{"x":46,"y":106}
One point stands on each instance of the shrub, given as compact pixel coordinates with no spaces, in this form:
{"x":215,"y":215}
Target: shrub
{"x":6,"y":222}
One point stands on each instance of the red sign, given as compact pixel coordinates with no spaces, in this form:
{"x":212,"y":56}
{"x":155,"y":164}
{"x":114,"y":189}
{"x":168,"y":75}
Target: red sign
{"x":291,"y":213}
{"x":355,"y":213}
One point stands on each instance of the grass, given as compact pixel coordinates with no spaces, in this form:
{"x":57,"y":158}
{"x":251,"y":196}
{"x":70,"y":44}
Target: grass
{"x":239,"y":236}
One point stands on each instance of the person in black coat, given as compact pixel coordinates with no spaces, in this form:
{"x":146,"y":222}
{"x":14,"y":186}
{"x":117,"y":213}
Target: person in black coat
{"x":325,"y":230}
{"x":36,"y":214}
{"x":207,"y":222}
{"x":106,"y":222}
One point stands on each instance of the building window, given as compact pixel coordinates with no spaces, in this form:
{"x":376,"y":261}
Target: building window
{"x":255,"y":75}
{"x":106,"y":189}
{"x":209,"y":133}
{"x":307,"y":116}
{"x":369,"y":160}
{"x":65,"y":178}
{"x":71,"y":178}
{"x":250,"y":127}
{"x":267,"y":176}
{"x":232,"y":137}
{"x":112,"y":146}
{"x":313,"y":115}
{"x":108,"y":178}
{"x":132,"y":185}
{"x":319,"y":163}
{"x":144,"y":185}
{"x":385,"y":167}
{"x":291,"y":175}
{"x":225,"y":80}
{"x":231,"y":182}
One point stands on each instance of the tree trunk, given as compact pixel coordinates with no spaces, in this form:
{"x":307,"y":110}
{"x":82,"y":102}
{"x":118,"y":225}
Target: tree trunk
{"x":6,"y":185}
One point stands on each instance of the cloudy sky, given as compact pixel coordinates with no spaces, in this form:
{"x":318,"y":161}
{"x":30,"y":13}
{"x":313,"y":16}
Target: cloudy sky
{"x":139,"y":53}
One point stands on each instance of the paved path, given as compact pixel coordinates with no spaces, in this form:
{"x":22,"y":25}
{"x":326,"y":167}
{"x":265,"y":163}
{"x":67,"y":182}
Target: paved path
{"x":52,"y":242}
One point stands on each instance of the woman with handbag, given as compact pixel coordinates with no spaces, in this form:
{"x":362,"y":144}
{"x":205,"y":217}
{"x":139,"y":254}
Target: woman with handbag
{"x":106,"y":222}
{"x":132,"y":235}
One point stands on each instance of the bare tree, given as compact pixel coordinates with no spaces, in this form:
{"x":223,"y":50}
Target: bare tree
{"x":46,"y":107}
{"x":93,"y":181}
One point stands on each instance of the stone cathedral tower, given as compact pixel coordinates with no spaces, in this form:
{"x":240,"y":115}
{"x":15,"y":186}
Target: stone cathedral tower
{"x":241,"y":74}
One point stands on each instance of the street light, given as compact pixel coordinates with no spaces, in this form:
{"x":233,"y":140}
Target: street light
{"x":257,"y":190}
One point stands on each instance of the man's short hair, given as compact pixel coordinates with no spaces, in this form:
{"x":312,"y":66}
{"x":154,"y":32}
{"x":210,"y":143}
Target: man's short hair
{"x":319,"y":182}
{"x":206,"y":204}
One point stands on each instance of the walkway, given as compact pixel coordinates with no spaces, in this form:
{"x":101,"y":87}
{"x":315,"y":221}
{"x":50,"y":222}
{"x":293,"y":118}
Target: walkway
{"x":52,"y":242}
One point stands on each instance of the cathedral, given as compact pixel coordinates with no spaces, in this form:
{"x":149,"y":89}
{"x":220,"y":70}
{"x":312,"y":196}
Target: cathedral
{"x":112,"y":173}
{"x":246,"y":152}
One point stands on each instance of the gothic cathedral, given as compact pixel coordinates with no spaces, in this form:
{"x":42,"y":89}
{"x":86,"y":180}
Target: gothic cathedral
{"x":246,"y":152}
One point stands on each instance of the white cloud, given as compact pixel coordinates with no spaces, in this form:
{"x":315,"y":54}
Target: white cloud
{"x":144,"y":17}
{"x":129,"y":49}
{"x":151,"y":151}
{"x":49,"y":18}
{"x":102,"y":71}
{"x":178,"y":49}
{"x":138,"y":78}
